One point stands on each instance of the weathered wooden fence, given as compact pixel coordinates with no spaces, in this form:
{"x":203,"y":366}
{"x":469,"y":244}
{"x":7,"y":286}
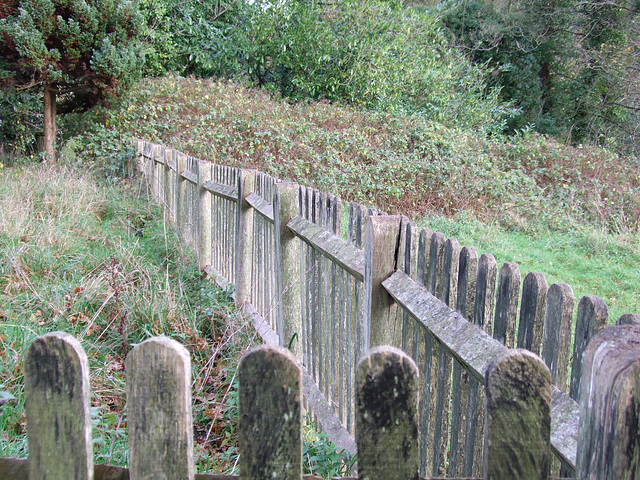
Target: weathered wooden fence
{"x":517,"y":424}
{"x":330,"y":296}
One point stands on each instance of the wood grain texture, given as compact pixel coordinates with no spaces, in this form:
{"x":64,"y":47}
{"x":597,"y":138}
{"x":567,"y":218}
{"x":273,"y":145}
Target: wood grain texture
{"x":270,"y":418}
{"x":381,"y":242}
{"x":287,"y":268}
{"x":475,"y":350}
{"x":609,"y":444}
{"x":204,"y":215}
{"x":518,"y":418}
{"x":504,"y":325}
{"x":221,"y":190}
{"x":260,"y":205}
{"x":56,"y":388}
{"x":17,"y":469}
{"x":159,"y":411}
{"x":329,"y":244}
{"x":244,"y":238}
{"x":387,"y":415}
{"x":592,"y":316}
{"x":629,"y":319}
{"x":558,"y":329}
{"x":532,"y":311}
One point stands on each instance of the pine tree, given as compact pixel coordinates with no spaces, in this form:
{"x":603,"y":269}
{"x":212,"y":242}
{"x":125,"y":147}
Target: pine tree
{"x":75,"y":51}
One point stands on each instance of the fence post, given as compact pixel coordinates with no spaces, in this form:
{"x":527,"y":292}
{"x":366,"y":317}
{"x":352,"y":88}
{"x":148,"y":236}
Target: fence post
{"x":504,"y":323}
{"x":289,"y":323}
{"x":153,"y":179}
{"x":518,"y":418}
{"x":57,"y":408}
{"x":592,"y":316}
{"x":139,"y":155}
{"x":170,"y":187}
{"x":270,"y":415}
{"x":482,"y":317}
{"x":629,"y":319}
{"x":204,"y":215}
{"x":244,"y":239}
{"x":467,"y":274}
{"x":379,"y":322}
{"x":608,"y":441}
{"x":532,"y":310}
{"x":387,"y":415}
{"x":181,"y":194}
{"x":159,"y":408}
{"x":558,"y":327}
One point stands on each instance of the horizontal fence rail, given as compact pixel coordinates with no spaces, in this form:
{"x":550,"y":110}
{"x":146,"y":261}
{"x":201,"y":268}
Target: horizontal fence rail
{"x":517,"y":425}
{"x":330,"y":289}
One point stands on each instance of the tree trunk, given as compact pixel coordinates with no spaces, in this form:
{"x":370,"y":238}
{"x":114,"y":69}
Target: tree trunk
{"x":49,"y":122}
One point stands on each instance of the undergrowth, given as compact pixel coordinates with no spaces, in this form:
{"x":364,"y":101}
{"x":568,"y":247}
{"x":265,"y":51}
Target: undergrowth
{"x":571,"y":213}
{"x":96,"y":260}
{"x":403,"y":164}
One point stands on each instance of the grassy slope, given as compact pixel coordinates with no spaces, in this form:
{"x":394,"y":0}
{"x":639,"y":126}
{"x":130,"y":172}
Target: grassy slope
{"x":570,"y":213}
{"x":96,"y":261}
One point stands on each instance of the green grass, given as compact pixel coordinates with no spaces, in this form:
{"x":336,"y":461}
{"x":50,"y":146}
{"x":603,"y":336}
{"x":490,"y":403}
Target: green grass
{"x":591,"y":262}
{"x":96,"y":260}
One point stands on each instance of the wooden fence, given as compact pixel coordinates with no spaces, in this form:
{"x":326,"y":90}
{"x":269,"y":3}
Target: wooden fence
{"x":329,"y":296}
{"x":517,"y":424}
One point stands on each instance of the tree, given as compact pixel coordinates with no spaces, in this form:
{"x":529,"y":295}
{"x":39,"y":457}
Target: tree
{"x":572,"y":66}
{"x":526,"y":46}
{"x":608,"y":103}
{"x":372,"y":54}
{"x":193,"y":37}
{"x":75,"y":51}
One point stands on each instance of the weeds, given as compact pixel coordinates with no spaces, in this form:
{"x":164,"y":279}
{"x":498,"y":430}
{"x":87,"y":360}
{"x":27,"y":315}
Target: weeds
{"x":403,"y":164}
{"x":321,"y":457}
{"x":94,"y":259}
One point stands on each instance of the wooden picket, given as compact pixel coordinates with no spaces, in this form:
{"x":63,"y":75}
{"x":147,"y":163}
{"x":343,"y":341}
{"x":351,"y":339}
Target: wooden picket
{"x":518,"y":424}
{"x":330,"y":304}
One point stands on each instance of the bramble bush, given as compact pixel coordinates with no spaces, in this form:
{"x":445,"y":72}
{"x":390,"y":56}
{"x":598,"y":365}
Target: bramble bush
{"x":400,"y":163}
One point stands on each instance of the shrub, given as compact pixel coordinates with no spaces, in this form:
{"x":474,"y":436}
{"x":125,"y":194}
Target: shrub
{"x":372,"y":54}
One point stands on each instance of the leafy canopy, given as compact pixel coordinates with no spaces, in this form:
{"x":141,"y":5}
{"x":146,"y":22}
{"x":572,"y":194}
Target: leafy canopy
{"x":373,"y":54}
{"x":81,"y":48}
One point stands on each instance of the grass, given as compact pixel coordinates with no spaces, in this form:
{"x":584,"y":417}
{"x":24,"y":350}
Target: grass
{"x":571,"y":213}
{"x":96,"y":260}
{"x":591,"y":262}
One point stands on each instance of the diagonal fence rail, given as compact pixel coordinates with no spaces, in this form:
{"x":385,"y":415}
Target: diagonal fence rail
{"x":330,"y":284}
{"x":517,"y":424}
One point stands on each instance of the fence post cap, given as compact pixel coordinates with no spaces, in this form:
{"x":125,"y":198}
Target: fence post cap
{"x":382,"y":351}
{"x":269,"y":351}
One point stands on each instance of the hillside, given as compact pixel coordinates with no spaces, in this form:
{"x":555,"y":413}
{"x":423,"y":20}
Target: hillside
{"x":402,"y":164}
{"x":571,"y":213}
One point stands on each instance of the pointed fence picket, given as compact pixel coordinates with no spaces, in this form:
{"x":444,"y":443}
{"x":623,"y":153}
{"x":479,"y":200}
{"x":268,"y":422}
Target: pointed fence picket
{"x":333,"y":302}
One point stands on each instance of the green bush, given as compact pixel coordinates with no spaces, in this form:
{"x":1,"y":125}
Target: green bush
{"x":371,"y":54}
{"x":193,"y":37}
{"x":20,"y":121}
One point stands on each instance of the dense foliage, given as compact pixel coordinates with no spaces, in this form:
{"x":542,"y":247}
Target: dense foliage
{"x":195,"y":37}
{"x":567,"y":68}
{"x":572,"y":66}
{"x":402,"y":164}
{"x":372,"y":54}
{"x":72,"y":49}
